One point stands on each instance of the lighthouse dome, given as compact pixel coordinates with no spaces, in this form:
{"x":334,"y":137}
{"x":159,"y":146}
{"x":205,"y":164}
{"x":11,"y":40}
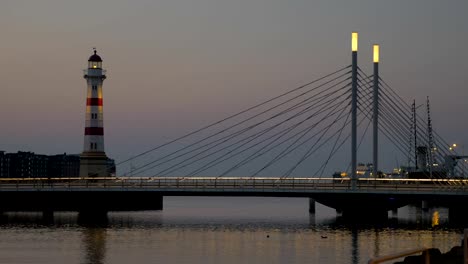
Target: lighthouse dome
{"x":95,"y":57}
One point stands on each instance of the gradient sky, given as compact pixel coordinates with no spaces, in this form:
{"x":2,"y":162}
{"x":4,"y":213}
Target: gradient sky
{"x":176,"y":65}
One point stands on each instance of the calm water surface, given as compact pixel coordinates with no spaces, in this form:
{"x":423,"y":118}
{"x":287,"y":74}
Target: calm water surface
{"x":219,"y":230}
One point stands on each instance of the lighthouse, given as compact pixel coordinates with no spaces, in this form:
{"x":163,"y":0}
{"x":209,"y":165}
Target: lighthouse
{"x":93,"y":160}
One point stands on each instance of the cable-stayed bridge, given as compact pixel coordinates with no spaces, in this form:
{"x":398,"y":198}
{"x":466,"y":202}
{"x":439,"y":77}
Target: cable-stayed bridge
{"x":284,"y":146}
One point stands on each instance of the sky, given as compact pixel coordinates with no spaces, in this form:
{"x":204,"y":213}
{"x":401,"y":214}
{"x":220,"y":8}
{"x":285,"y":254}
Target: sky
{"x":177,"y":65}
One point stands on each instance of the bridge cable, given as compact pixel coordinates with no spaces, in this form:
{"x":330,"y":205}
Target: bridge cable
{"x":243,"y":121}
{"x":333,"y":151}
{"x":242,"y":131}
{"x":255,"y":136}
{"x":249,"y":158}
{"x":438,"y":139}
{"x":420,"y":120}
{"x":397,"y":142}
{"x":389,"y":117}
{"x":311,"y":150}
{"x":286,"y":150}
{"x":234,"y":115}
{"x":366,"y":110}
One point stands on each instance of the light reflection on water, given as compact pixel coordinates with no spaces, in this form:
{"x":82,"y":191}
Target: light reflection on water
{"x":219,"y":230}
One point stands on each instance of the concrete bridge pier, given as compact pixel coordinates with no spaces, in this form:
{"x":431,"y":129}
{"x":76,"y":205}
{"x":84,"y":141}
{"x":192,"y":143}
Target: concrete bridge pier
{"x":311,"y":206}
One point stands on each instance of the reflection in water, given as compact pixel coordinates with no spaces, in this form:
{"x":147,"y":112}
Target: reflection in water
{"x":94,"y":236}
{"x":312,"y":220}
{"x":94,"y":240}
{"x":185,"y":235}
{"x":377,"y":243}
{"x":34,"y":219}
{"x":354,"y":245}
{"x":435,"y":218}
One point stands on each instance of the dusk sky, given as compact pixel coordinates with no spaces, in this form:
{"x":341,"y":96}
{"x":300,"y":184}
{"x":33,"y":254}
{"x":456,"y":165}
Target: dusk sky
{"x":176,"y":65}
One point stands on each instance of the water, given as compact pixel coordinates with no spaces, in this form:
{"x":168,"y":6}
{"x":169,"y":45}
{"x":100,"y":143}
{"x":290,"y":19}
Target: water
{"x":219,"y":230}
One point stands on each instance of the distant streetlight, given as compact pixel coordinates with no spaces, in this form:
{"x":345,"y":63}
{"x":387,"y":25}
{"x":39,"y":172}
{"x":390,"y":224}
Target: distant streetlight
{"x":452,"y":147}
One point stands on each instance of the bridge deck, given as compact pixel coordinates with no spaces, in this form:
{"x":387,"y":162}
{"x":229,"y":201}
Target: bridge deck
{"x":143,"y":193}
{"x":239,"y":185}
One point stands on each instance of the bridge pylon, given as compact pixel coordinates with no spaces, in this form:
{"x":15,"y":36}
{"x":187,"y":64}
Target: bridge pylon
{"x":375,"y":115}
{"x":354,"y":49}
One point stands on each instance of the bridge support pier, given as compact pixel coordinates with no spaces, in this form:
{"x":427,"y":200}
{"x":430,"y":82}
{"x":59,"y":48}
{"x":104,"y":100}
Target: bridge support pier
{"x":311,"y":205}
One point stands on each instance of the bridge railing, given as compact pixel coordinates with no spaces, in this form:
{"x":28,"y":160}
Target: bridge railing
{"x":235,"y":183}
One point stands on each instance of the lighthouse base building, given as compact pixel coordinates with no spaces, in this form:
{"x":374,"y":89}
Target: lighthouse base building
{"x":96,"y":165}
{"x":93,"y":160}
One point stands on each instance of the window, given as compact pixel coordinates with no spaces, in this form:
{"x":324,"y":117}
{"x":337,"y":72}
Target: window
{"x":94,"y":64}
{"x":94,"y":87}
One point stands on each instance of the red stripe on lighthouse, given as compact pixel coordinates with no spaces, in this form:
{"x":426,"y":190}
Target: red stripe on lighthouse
{"x":94,"y":101}
{"x":94,"y":131}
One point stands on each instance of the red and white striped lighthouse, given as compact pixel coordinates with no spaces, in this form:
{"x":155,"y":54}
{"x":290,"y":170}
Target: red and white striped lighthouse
{"x":94,"y":161}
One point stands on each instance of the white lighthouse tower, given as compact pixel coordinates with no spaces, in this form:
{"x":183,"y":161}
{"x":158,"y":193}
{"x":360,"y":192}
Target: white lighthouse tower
{"x":93,"y":160}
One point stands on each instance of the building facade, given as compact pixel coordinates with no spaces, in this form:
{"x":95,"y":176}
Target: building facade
{"x":25,"y":164}
{"x":64,"y":165}
{"x":4,"y":165}
{"x":30,"y":165}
